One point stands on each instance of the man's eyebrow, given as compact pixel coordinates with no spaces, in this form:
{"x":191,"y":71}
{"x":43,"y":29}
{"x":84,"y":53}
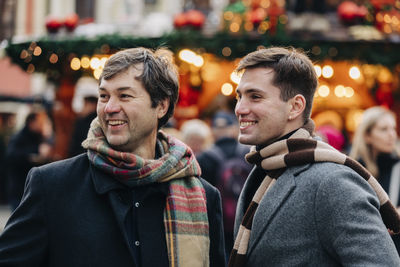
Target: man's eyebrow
{"x":249,"y":91}
{"x":118,"y":89}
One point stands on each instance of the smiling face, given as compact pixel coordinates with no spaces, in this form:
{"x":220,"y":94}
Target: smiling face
{"x":383,"y":136}
{"x":126,"y":116}
{"x":262,"y":114}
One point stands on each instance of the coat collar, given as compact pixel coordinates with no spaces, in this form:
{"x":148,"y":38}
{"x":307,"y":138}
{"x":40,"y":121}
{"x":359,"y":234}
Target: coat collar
{"x":103,"y":183}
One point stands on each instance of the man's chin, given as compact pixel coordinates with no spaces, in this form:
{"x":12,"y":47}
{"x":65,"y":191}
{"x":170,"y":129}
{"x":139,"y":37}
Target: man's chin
{"x":245,"y":141}
{"x":116,"y":144}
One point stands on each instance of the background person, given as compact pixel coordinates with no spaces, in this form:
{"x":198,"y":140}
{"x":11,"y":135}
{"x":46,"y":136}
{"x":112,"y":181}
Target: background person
{"x":29,"y":147}
{"x":84,"y":103}
{"x":375,"y":146}
{"x":135,"y":199}
{"x":197,"y":135}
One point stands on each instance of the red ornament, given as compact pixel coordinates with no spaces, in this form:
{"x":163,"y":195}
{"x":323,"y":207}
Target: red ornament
{"x":384,"y":95}
{"x":195,"y":18}
{"x":180,"y":20}
{"x":349,"y":12}
{"x":53,"y":24}
{"x":71,"y":22}
{"x":380,"y":4}
{"x":256,"y":16}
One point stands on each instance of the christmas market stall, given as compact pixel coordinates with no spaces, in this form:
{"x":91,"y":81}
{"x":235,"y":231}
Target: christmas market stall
{"x":355,"y":48}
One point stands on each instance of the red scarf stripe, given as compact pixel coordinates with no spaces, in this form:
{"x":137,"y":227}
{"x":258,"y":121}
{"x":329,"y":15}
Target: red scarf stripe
{"x":193,"y":189}
{"x":191,"y":208}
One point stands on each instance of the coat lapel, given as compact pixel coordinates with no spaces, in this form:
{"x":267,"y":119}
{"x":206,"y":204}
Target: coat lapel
{"x":241,"y":201}
{"x":271,"y":203}
{"x":120,"y":200}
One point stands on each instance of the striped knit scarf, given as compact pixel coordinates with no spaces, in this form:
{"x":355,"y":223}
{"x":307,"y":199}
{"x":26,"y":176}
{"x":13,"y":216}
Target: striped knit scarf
{"x":185,"y":214}
{"x":299,"y":149}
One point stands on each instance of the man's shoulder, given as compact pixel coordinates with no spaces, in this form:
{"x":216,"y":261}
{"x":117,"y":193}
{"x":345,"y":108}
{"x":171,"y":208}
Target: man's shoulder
{"x":323,"y":168}
{"x":325,"y":172}
{"x":333,"y":177}
{"x":71,"y":167}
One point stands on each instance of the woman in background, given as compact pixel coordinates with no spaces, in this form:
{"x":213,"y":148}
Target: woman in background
{"x":375,"y":146}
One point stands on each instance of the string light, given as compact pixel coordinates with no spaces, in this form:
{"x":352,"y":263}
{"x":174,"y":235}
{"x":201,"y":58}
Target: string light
{"x":327,"y":71}
{"x":323,"y":90}
{"x":53,"y":58}
{"x":227,"y":89}
{"x":37,"y":51}
{"x":340,"y":91}
{"x":95,"y":63}
{"x":191,"y":57}
{"x":349,"y":92}
{"x":318,"y":70}
{"x":235,"y":77}
{"x":85,"y":62}
{"x":75,"y":63}
{"x":354,"y":73}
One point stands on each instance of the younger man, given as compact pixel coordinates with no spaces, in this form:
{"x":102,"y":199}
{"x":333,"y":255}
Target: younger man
{"x":305,"y":203}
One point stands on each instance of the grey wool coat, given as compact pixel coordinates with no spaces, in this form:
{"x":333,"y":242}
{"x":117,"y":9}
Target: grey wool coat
{"x":321,"y":214}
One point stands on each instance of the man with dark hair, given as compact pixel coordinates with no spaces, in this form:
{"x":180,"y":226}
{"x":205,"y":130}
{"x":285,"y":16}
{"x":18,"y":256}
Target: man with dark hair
{"x":135,"y":198}
{"x":304,"y":203}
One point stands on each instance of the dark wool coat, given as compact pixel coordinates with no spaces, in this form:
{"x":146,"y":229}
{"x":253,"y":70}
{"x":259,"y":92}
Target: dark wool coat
{"x":74,"y":215}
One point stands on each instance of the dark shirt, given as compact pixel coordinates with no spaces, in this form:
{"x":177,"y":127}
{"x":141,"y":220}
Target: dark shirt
{"x":145,"y":222}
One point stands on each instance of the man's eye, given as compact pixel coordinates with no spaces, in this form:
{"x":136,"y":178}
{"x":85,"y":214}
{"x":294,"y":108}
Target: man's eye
{"x":125,"y":96}
{"x":102,"y":96}
{"x":255,"y":96}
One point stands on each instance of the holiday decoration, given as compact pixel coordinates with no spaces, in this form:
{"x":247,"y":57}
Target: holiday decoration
{"x":180,"y":20}
{"x":53,"y":24}
{"x":262,"y":17}
{"x":192,"y":18}
{"x":195,"y":18}
{"x":350,"y":13}
{"x":71,"y":22}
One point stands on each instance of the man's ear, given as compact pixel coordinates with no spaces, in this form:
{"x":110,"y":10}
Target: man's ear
{"x":162,"y":108}
{"x":297,"y":106}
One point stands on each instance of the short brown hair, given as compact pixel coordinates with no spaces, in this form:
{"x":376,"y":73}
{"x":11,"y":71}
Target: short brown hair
{"x":294,"y":72}
{"x":159,"y":76}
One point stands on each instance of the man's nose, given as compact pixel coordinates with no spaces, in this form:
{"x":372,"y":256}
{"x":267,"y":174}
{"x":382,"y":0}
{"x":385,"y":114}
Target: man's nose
{"x":112,"y":105}
{"x":241,"y":107}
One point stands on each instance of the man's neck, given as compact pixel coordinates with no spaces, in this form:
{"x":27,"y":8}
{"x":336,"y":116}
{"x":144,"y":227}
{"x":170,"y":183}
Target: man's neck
{"x":285,"y":136}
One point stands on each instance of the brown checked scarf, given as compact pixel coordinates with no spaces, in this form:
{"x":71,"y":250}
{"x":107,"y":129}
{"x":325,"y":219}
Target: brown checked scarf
{"x":299,"y":149}
{"x":185,"y":213}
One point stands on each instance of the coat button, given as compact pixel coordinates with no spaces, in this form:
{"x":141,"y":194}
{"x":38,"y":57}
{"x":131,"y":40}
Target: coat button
{"x":137,"y":204}
{"x":137,"y":243}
